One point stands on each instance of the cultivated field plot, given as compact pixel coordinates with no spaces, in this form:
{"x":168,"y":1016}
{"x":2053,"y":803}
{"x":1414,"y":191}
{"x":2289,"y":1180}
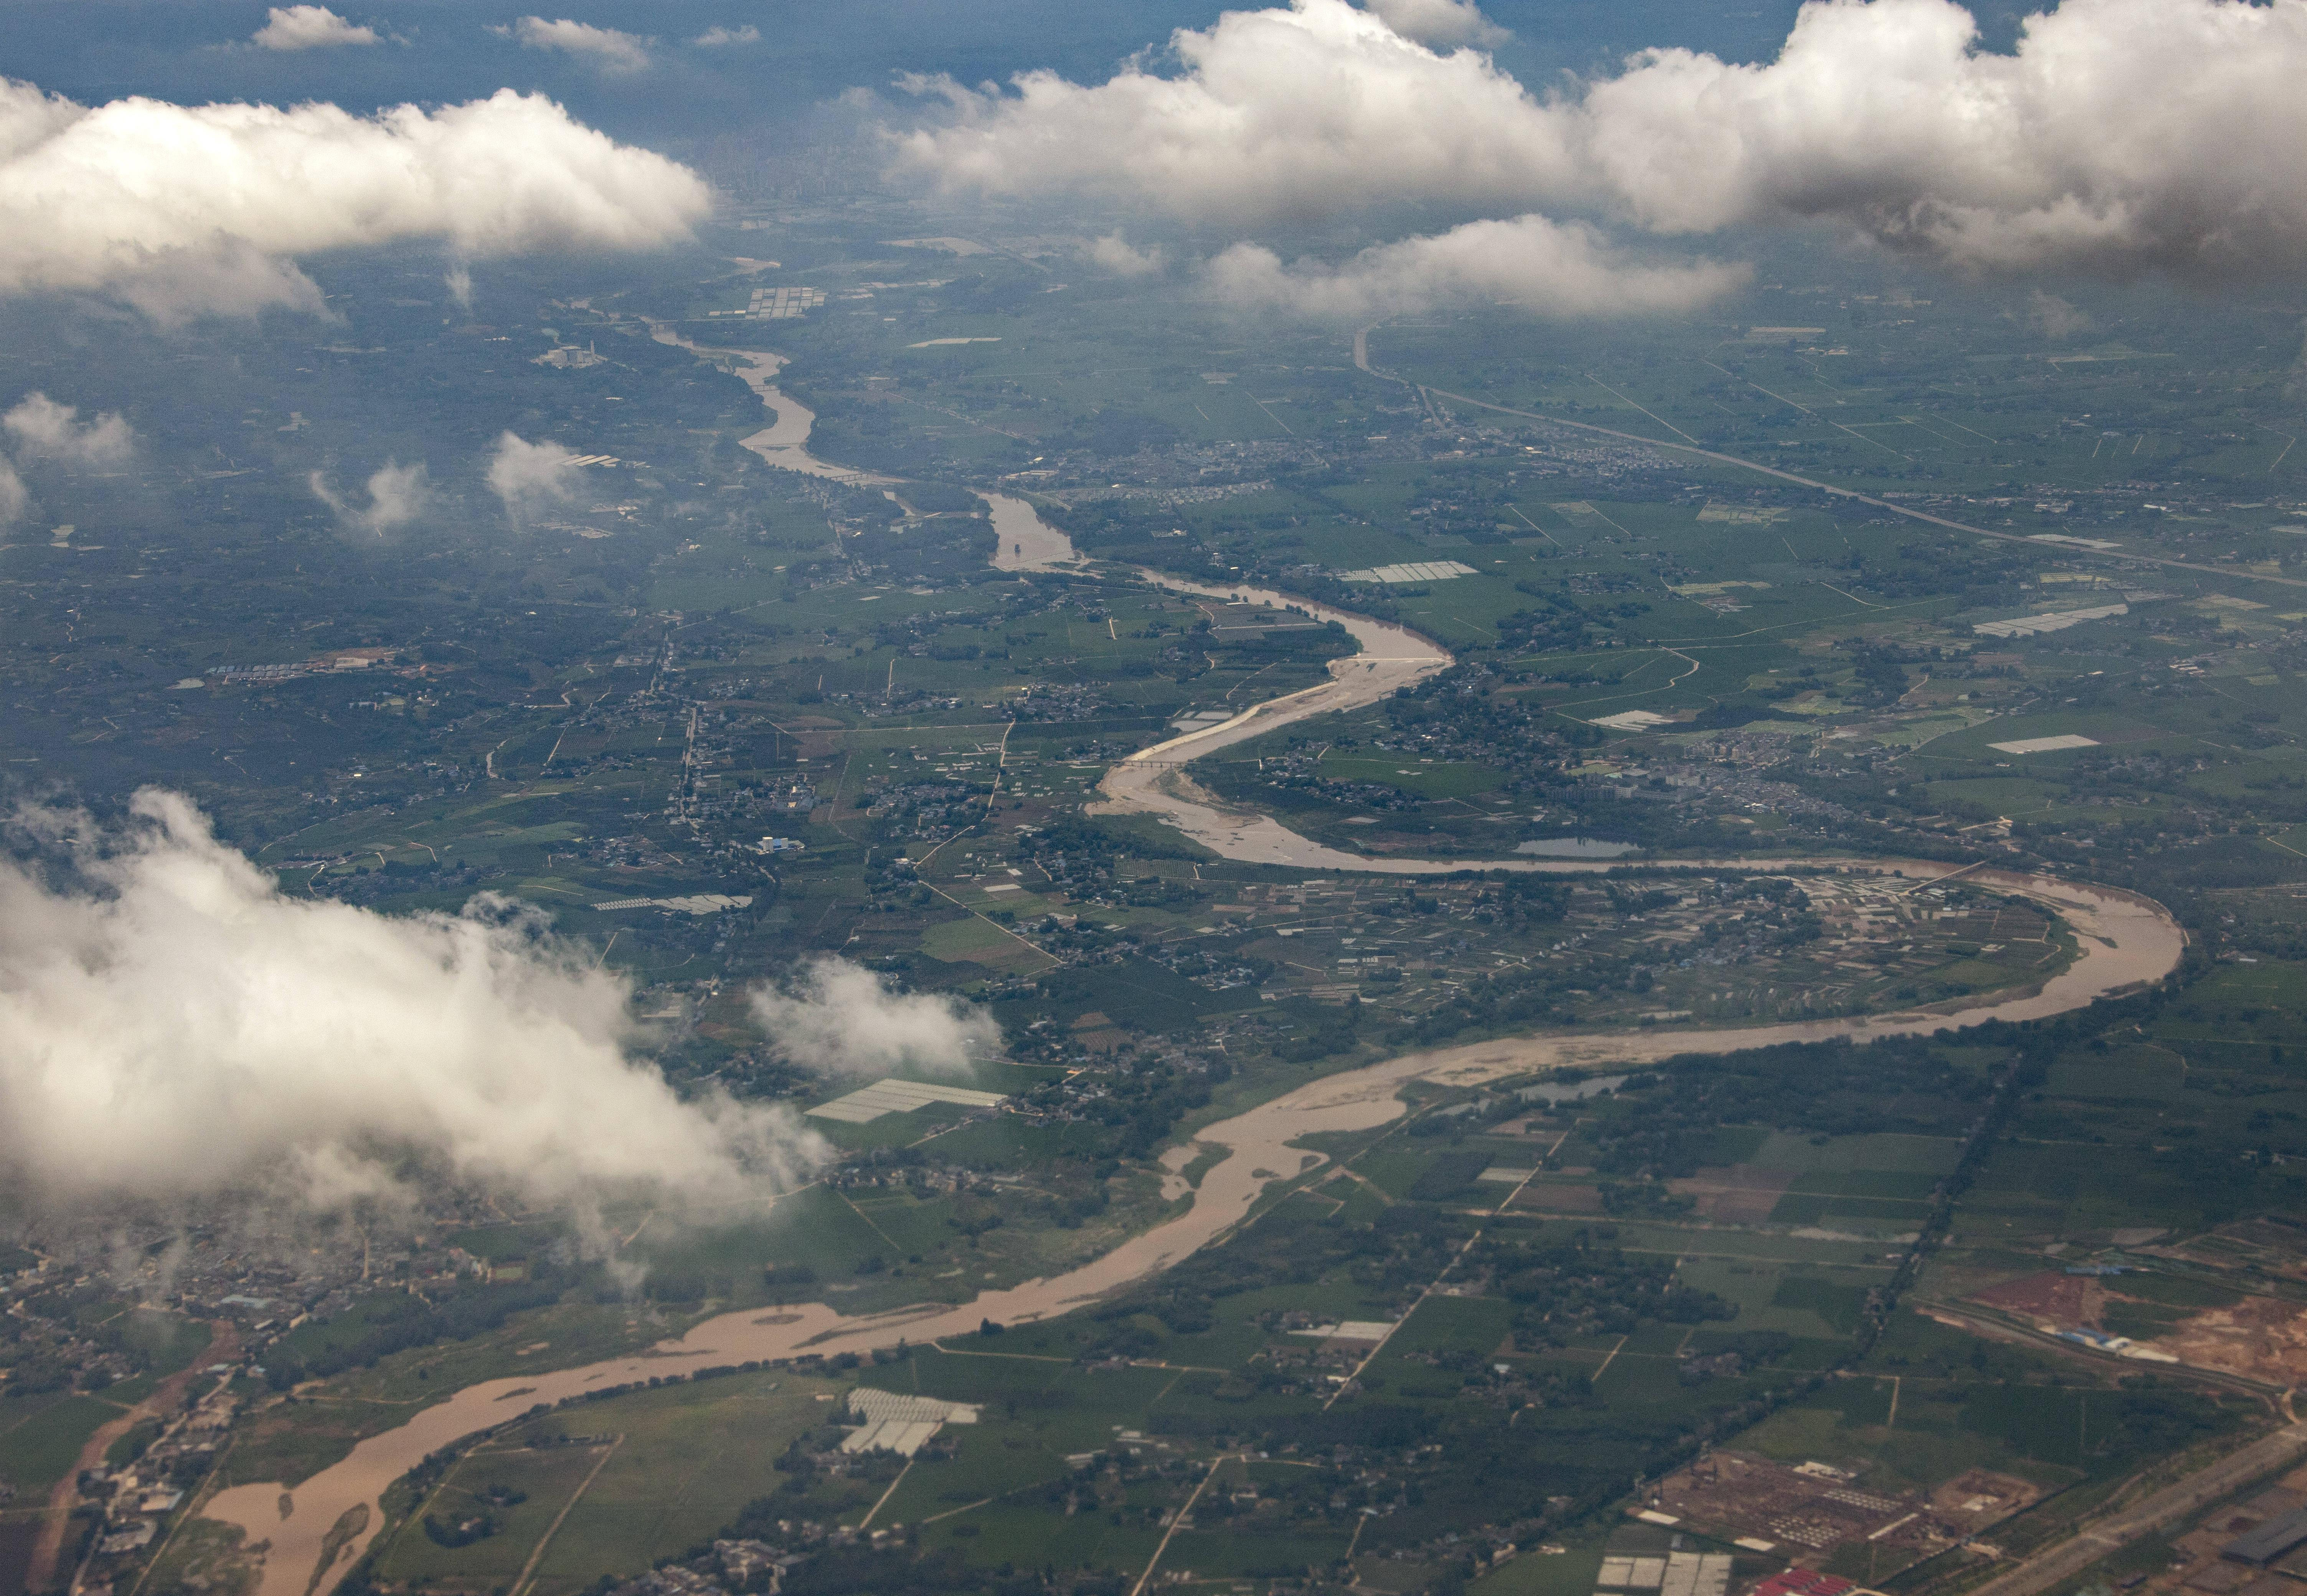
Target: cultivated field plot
{"x":654,"y":1473}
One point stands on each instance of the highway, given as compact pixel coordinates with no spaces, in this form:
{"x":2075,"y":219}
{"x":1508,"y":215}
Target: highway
{"x":2158,"y":1512}
{"x":2068,"y":551}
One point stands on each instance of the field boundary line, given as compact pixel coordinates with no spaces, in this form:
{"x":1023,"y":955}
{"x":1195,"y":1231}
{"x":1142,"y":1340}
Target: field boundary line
{"x":866,"y":1522}
{"x":520,"y":1584}
{"x":1176,"y":1519}
{"x":956,"y":1512}
{"x":868,"y":1218}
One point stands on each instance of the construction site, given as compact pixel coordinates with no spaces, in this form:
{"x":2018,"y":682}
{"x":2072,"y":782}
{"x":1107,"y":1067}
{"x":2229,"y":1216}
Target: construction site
{"x":1805,"y":1512}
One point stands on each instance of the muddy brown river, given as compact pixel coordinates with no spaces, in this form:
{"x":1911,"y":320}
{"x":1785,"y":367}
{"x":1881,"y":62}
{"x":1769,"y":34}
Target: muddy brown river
{"x":2125,"y":941}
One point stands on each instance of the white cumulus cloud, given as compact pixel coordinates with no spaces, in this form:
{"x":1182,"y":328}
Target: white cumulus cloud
{"x":309,"y":27}
{"x":398,"y":494}
{"x":606,"y":47}
{"x":1441,"y":22}
{"x":41,"y":429}
{"x":1317,"y":111}
{"x":1118,"y":256}
{"x":171,"y":1024}
{"x":1548,"y":269}
{"x":532,"y":476}
{"x":837,"y":1016}
{"x":186,"y":210}
{"x":744,"y":34}
{"x":2111,"y":139}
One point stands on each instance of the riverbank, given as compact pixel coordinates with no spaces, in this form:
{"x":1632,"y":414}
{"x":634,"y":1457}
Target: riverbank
{"x":317,"y":1530}
{"x":2125,"y":941}
{"x":784,"y":442}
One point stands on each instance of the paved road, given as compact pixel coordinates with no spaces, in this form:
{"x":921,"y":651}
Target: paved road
{"x":2165,"y":1507}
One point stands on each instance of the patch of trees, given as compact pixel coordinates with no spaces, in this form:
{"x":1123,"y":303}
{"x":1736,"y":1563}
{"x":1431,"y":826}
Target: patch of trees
{"x":1140,"y":1109}
{"x":1086,"y":842}
{"x":1330,"y":641}
{"x":1832,"y":1088}
{"x":396,"y":1322}
{"x":1584,"y":1286}
{"x":1336,"y":1032}
{"x":455,"y":1533}
{"x":1513,"y":999}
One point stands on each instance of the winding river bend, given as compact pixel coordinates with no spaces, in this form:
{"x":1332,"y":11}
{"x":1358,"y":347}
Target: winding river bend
{"x":2125,"y":941}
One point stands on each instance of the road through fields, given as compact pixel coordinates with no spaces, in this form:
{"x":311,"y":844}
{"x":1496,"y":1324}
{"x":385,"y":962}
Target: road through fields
{"x":2164,"y":1508}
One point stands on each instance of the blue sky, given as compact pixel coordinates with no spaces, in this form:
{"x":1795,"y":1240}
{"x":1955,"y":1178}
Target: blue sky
{"x":95,"y":50}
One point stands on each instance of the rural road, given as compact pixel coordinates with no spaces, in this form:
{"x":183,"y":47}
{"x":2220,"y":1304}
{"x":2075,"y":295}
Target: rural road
{"x":48,"y":1552}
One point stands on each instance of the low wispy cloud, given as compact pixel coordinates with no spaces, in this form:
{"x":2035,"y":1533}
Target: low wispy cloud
{"x":715,"y":37}
{"x":1116,"y":254}
{"x":398,"y":494}
{"x":835,"y":1015}
{"x":2054,"y":317}
{"x":606,"y":47}
{"x":529,"y":477}
{"x":15,"y":498}
{"x":188,"y":211}
{"x":1553,"y":270}
{"x":309,"y":27}
{"x":41,"y":429}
